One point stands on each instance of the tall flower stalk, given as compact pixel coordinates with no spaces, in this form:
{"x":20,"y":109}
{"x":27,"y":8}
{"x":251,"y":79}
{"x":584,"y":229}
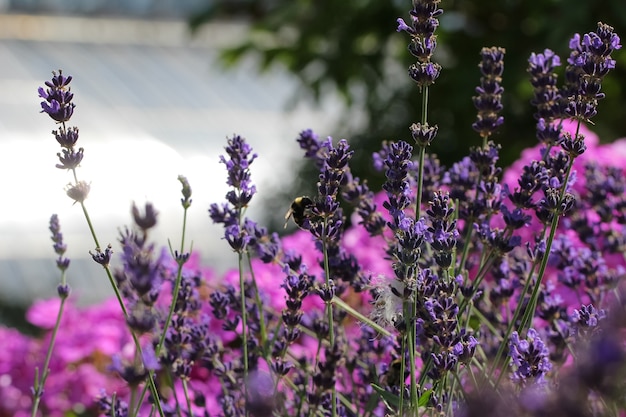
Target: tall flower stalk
{"x":63,"y":290}
{"x":325,"y":222}
{"x":589,"y":62}
{"x":239,"y":231}
{"x":58,"y":104}
{"x":424,"y":72}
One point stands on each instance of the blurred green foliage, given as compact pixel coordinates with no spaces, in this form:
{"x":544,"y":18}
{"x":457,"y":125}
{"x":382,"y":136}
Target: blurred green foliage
{"x":352,"y":46}
{"x":15,"y":316}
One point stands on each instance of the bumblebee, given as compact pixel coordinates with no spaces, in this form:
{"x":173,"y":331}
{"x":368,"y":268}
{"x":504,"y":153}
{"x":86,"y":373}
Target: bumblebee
{"x":300,"y":211}
{"x":392,"y":376}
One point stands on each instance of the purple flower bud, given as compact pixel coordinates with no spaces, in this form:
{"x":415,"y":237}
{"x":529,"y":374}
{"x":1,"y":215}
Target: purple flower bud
{"x":67,"y":138}
{"x":70,"y":158}
{"x":57,"y":98}
{"x":102,"y":257}
{"x":237,"y":238}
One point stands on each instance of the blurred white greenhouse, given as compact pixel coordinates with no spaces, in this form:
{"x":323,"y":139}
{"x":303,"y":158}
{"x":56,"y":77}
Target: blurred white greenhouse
{"x":152,"y":103}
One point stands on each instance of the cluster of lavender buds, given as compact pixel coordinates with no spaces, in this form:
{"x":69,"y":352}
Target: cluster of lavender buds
{"x":529,"y":357}
{"x":547,"y":96}
{"x":489,"y":99}
{"x":59,"y":248}
{"x":424,"y":22}
{"x":139,"y":280}
{"x":238,"y":232}
{"x":398,"y":185}
{"x":589,"y":62}
{"x":57,"y":103}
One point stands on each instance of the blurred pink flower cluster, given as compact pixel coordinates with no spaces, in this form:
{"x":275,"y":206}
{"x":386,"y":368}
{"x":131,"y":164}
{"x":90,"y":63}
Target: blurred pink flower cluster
{"x":602,"y":155}
{"x":88,"y":337}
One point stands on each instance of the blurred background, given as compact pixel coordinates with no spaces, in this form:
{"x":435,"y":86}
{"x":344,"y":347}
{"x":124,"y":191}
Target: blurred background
{"x":153,"y":102}
{"x":160,"y":85}
{"x":351,"y":47}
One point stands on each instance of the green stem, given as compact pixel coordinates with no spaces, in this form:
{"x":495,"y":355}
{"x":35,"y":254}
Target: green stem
{"x":420,"y":183}
{"x":40,"y":383}
{"x":509,"y":330}
{"x":425,"y":104}
{"x":186,"y":391}
{"x":329,"y":312}
{"x":529,"y":313}
{"x":118,"y":295}
{"x":354,"y":313}
{"x":244,"y":318}
{"x":176,"y":290}
{"x":90,"y":225}
{"x":410,"y":309}
{"x":259,"y":304}
{"x":403,"y":348}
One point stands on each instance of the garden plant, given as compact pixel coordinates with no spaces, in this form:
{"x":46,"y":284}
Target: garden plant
{"x":468,"y":290}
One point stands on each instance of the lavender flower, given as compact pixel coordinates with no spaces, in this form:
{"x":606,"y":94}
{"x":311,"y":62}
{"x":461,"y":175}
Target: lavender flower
{"x":424,"y":22}
{"x":529,"y":358}
{"x":423,"y":134}
{"x":238,"y":232}
{"x":187,"y":340}
{"x":102,"y":257}
{"x":589,"y":62}
{"x":140,"y":270}
{"x":136,"y":373}
{"x":398,"y":164}
{"x":261,"y":400}
{"x":547,"y":96}
{"x":67,"y":138}
{"x":58,"y":105}
{"x":237,"y":237}
{"x":57,"y":98}
{"x":489,"y":99}
{"x":146,"y":221}
{"x":318,"y":361}
{"x":238,"y":167}
{"x":312,"y":146}
{"x":297,"y":287}
{"x":533,"y":178}
{"x":442,"y":234}
{"x":59,"y":246}
{"x":548,"y":133}
{"x":69,"y":158}
{"x":358,"y":194}
{"x":111,"y":405}
{"x":586,"y":320}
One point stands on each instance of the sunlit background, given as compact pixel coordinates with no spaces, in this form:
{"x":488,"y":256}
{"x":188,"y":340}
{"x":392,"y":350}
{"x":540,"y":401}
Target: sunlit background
{"x":152,"y":103}
{"x":155,"y":102}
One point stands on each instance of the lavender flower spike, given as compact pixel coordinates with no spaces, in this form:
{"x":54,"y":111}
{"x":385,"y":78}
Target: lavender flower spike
{"x":547,"y":96}
{"x":489,"y":99}
{"x":57,"y":98}
{"x":422,"y":28}
{"x":529,"y":358}
{"x":398,"y":164}
{"x":238,"y":166}
{"x":589,"y":62}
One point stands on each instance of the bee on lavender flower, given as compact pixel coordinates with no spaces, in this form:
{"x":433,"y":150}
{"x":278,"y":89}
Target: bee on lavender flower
{"x":393,"y":376}
{"x":300,"y":211}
